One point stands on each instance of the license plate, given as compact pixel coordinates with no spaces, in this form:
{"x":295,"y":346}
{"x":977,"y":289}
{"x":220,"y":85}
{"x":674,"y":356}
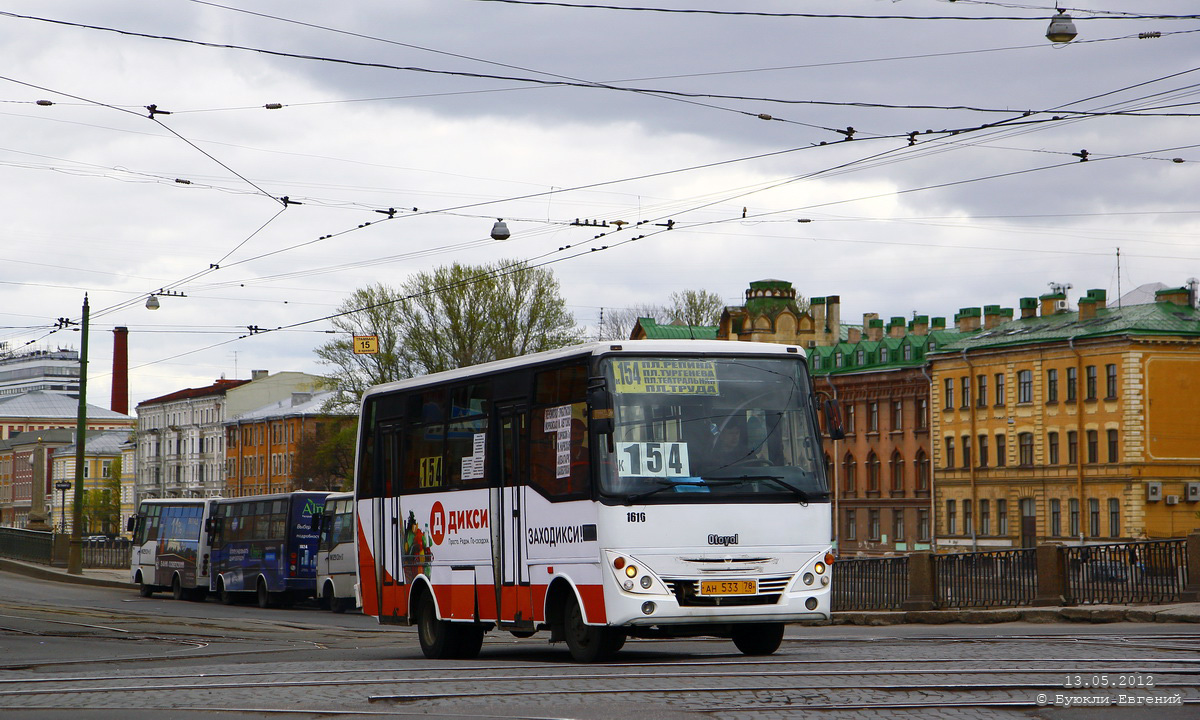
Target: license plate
{"x":728,"y":587}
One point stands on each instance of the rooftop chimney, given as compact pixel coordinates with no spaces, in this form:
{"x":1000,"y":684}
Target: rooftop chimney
{"x":1087,"y":308}
{"x":1053,"y":303}
{"x":1100,"y":297}
{"x":920,"y":325}
{"x":1175,"y":296}
{"x":259,"y":374}
{"x":967,"y":319}
{"x":873,"y":327}
{"x":833,"y":316}
{"x":1029,"y":307}
{"x":119,"y":401}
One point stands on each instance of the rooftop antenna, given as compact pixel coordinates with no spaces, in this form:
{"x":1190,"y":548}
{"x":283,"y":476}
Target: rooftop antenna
{"x":1118,"y":278}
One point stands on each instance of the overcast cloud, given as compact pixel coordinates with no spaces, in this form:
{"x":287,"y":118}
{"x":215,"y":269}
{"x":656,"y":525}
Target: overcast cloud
{"x":449,"y":107}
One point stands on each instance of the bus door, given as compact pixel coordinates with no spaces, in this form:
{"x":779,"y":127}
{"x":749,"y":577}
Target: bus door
{"x":514,"y":596}
{"x":389,"y":531}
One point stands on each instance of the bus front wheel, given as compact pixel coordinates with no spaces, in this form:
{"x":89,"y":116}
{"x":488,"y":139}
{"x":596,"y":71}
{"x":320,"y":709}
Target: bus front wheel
{"x":758,"y":638}
{"x":227,"y":598}
{"x":588,"y":643}
{"x":143,"y":589}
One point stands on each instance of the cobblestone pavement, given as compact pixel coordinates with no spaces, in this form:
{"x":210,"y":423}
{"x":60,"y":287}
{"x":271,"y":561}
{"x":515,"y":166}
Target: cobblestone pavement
{"x":106,"y":653}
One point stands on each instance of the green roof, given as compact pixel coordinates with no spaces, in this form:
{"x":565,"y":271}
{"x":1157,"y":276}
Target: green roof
{"x":654,"y":331}
{"x":823,"y":358}
{"x":1150,"y":319}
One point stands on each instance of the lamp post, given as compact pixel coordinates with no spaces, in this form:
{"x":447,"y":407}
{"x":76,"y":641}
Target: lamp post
{"x":63,"y":486}
{"x":75,"y":556}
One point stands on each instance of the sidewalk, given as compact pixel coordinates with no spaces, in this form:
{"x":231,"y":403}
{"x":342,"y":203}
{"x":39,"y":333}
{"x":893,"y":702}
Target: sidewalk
{"x":1174,"y":613}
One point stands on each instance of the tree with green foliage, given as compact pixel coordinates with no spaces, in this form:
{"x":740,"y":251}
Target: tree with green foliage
{"x":451,"y":317}
{"x":686,"y":307}
{"x":325,"y":456}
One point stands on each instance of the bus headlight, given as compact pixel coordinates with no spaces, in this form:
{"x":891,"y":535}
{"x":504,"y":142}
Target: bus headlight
{"x":633,"y":578}
{"x":819,"y":568}
{"x":808,"y":578}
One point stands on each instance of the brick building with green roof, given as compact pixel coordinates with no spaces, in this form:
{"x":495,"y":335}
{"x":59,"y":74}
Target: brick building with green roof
{"x":1073,"y":426}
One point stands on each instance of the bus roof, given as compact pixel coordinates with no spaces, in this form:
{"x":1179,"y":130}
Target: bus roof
{"x":607,"y":347}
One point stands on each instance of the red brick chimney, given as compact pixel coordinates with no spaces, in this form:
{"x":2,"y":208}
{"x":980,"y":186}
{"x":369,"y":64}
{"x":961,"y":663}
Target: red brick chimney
{"x":120,"y":371}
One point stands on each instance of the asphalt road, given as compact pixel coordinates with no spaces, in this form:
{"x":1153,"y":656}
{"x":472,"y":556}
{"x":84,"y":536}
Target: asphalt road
{"x":85,"y":652}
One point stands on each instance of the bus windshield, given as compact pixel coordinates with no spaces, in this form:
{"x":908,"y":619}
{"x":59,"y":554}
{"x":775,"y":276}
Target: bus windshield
{"x":721,"y":428}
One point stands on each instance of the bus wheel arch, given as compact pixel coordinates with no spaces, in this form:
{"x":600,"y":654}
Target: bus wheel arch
{"x":568,"y":622}
{"x":264,"y":596}
{"x":227,"y":598}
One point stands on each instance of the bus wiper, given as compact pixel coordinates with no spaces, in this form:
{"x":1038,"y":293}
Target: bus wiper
{"x":800,"y":494}
{"x":663,"y":485}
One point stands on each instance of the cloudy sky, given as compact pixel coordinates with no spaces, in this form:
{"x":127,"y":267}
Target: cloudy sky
{"x":960,"y":184}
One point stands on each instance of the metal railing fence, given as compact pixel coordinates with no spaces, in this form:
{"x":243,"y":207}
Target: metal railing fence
{"x":35,"y":546}
{"x":1147,"y":571}
{"x":870,"y":583}
{"x":999,"y":578}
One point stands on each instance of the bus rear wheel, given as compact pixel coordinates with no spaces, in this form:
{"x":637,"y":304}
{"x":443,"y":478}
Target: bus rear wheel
{"x":176,"y":587}
{"x":588,"y":643}
{"x":758,"y":638}
{"x":265,"y":600}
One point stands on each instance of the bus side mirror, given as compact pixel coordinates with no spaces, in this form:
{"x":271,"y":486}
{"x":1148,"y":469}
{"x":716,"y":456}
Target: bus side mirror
{"x":600,"y":409}
{"x":833,"y":419}
{"x":131,"y":523}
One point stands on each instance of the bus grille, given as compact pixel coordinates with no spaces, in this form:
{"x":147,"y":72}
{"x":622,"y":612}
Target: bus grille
{"x":687,"y":592}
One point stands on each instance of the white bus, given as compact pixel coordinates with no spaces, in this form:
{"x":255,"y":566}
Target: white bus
{"x":170,"y":547}
{"x":337,"y":573}
{"x":619,"y":489}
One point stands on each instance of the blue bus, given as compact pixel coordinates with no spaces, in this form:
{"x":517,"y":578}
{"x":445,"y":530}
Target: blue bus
{"x":265,"y":545}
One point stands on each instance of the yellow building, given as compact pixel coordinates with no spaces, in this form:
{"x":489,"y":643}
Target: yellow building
{"x":104,"y":473}
{"x":1068,"y":426}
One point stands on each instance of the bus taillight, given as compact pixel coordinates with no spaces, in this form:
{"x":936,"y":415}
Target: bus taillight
{"x":292,"y":561}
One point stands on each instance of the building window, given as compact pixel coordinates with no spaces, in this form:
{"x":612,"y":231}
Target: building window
{"x":1090,"y":375}
{"x":1072,"y":447}
{"x":861,"y":357}
{"x":848,"y":473}
{"x":1094,"y":517}
{"x":897,"y":415}
{"x":872,"y":472}
{"x":999,"y":389}
{"x":966,"y":392}
{"x":1052,"y":447}
{"x":981,"y":381}
{"x":1051,"y":386}
{"x":966,"y":450}
{"x":1072,"y":384}
{"x":1001,"y":449}
{"x":922,"y":462}
{"x":873,"y":417}
{"x":1112,"y":446}
{"x":1024,"y":386}
{"x":839,"y":359}
{"x":851,"y":525}
{"x":923,"y":525}
{"x":1055,"y":517}
{"x":897,"y":473}
{"x":949,"y":393}
{"x":1073,"y":509}
{"x":949,"y":452}
{"x":1114,"y":518}
{"x":1002,"y":517}
{"x":1025,"y":449}
{"x":898,"y":525}
{"x":850,"y":418}
{"x":968,"y":518}
{"x":907,"y":350}
{"x":873,"y":524}
{"x":1093,"y":449}
{"x":1110,"y":382}
{"x":883,"y":355}
{"x":983,"y":451}
{"x":985,"y":517}
{"x":951,"y":518}
{"x":923,"y":414}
